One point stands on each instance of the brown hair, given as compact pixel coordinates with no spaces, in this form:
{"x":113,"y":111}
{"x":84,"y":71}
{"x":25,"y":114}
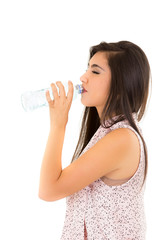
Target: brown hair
{"x":129,"y":89}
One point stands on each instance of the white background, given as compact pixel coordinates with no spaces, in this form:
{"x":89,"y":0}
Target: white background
{"x":42,"y":42}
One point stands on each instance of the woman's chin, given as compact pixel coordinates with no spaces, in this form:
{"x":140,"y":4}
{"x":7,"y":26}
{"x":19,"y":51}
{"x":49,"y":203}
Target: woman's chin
{"x":86,"y":104}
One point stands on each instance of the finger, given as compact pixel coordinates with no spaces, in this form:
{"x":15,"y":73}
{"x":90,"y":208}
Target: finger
{"x":48,"y":98}
{"x":54,"y":91}
{"x":70,"y":91}
{"x":62,"y":92}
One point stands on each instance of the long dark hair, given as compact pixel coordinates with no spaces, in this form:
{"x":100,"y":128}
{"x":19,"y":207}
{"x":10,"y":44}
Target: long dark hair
{"x":129,"y":89}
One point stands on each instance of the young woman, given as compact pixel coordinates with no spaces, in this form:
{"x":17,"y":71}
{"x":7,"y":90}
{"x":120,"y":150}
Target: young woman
{"x":105,"y":182}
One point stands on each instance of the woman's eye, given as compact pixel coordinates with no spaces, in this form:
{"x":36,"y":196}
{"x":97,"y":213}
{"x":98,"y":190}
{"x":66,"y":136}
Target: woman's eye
{"x":95,"y":72}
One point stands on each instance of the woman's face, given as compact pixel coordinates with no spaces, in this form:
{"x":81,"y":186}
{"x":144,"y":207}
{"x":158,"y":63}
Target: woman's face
{"x":96,"y":81}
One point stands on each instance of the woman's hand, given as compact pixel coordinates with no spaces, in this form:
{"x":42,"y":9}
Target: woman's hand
{"x":60,"y":106}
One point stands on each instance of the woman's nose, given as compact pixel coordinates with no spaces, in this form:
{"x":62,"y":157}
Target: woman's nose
{"x":83,"y":78}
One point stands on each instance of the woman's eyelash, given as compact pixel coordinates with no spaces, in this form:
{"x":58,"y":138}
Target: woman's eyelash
{"x":95,"y":72}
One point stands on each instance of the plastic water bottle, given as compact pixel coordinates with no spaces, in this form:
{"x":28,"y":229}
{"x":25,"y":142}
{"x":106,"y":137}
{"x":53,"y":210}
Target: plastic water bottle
{"x":32,"y":100}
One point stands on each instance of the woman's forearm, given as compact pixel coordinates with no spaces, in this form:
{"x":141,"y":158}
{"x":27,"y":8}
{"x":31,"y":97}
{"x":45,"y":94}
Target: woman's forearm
{"x":51,"y":167}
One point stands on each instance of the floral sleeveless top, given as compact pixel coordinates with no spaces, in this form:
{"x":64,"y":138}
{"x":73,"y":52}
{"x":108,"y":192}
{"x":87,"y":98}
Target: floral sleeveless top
{"x":103,"y":212}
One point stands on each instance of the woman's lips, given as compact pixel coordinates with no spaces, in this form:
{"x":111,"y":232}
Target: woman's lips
{"x":84,"y":90}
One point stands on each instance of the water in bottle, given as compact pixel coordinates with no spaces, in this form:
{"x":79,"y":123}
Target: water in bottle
{"x":32,"y":100}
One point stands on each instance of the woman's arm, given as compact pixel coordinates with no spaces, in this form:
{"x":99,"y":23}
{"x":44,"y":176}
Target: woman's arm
{"x":51,"y":167}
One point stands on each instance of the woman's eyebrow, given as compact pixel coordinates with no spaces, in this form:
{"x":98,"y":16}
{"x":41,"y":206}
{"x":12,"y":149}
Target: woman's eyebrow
{"x":95,"y":65}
